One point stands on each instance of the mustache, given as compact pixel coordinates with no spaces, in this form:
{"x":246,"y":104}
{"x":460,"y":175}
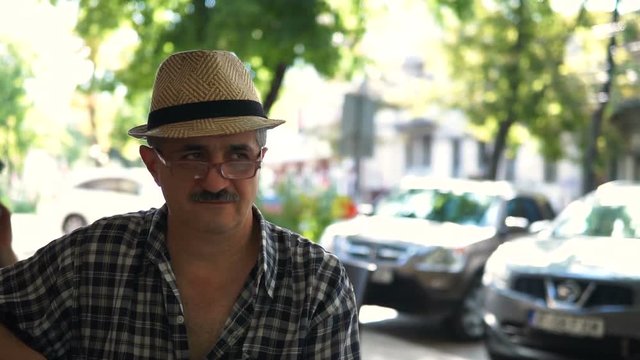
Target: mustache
{"x":222,"y":195}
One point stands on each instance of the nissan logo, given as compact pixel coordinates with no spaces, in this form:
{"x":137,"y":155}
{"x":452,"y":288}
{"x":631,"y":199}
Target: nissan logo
{"x":568,"y":291}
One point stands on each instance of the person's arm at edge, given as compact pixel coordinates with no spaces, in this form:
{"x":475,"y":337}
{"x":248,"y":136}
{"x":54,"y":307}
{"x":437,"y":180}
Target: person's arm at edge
{"x":7,"y":255}
{"x":13,"y":348}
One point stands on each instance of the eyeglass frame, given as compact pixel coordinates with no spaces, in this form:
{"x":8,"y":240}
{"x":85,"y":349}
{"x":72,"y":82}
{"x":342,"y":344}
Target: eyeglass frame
{"x":218,"y":166}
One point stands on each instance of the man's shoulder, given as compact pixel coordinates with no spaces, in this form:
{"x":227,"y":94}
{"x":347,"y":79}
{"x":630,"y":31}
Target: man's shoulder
{"x":309,"y":265}
{"x":120,"y":225}
{"x":117,"y":233}
{"x":114,"y":239}
{"x":292,"y":240}
{"x":299,"y":250}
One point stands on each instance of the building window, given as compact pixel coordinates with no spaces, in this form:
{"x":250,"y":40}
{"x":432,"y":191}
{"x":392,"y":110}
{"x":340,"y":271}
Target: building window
{"x":456,"y":165}
{"x":419,"y":152}
{"x":510,"y":169}
{"x":426,"y":144}
{"x":636,"y":169}
{"x":550,"y":171}
{"x":408,"y":153}
{"x":483,"y":157}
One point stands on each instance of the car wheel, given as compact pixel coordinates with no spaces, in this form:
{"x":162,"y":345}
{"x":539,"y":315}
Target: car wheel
{"x":73,"y":222}
{"x":467,"y":323}
{"x":493,"y":350}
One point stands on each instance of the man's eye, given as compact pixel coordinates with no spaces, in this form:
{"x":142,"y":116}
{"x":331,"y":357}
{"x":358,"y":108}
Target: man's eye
{"x":239,"y":156}
{"x":192,"y":156}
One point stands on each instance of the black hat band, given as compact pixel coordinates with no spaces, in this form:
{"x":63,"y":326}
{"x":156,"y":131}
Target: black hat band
{"x":204,"y":110}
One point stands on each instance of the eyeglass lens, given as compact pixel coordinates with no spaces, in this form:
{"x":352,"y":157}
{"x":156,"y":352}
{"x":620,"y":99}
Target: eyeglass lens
{"x":228,"y":169}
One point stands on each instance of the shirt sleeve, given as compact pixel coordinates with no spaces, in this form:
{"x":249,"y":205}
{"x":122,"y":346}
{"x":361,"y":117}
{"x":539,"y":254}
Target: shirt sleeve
{"x":35,"y":299}
{"x":335,"y":328}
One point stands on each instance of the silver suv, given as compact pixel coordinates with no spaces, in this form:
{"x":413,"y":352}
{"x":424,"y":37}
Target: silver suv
{"x":423,"y":248}
{"x":572,"y":291}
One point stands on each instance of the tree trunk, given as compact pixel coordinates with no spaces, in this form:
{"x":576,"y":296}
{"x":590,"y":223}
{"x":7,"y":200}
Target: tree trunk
{"x":274,"y":90}
{"x":513,"y":76}
{"x":498,"y":148}
{"x":591,"y":155}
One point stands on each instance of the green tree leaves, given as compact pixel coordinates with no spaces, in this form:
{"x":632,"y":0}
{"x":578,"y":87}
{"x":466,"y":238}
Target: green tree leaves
{"x":270,"y":36}
{"x":14,"y":138}
{"x":509,"y":64}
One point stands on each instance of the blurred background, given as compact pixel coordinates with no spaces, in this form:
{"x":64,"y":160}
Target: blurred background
{"x":543,"y":94}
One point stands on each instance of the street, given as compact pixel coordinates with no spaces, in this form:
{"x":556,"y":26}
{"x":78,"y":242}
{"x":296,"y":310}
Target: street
{"x":389,"y":336}
{"x":385,"y":334}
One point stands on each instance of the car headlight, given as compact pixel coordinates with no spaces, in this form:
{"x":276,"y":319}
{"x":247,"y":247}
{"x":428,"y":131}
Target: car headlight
{"x":442,"y":259}
{"x":496,"y":273}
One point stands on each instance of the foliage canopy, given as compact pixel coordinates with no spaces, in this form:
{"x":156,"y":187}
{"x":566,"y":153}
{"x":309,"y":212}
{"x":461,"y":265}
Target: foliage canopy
{"x":509,"y":61}
{"x":14,"y":138}
{"x":270,"y":36}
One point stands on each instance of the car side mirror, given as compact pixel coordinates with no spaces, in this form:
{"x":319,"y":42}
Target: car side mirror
{"x":538,"y":226}
{"x":516,"y":225}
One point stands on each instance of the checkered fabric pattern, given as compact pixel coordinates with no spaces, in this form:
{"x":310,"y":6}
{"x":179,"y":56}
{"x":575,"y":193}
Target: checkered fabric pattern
{"x":107,"y":291}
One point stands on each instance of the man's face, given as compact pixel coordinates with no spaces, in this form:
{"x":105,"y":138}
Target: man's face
{"x":211,"y":203}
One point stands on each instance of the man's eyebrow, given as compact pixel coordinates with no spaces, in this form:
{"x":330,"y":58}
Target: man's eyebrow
{"x":241,"y":147}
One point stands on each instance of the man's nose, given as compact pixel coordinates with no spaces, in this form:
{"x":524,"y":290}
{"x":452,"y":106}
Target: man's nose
{"x":213,"y":179}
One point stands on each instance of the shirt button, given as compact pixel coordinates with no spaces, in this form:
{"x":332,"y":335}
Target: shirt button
{"x":180,"y":319}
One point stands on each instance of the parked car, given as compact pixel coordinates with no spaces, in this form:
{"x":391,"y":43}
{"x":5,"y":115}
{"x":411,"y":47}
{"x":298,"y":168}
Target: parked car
{"x":91,"y":194}
{"x":572,"y":291}
{"x":423,"y":248}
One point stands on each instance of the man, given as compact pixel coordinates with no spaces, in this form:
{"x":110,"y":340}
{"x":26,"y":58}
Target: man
{"x":205,"y":276}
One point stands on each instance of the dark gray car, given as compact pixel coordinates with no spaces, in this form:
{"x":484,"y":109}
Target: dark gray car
{"x":573,"y":291}
{"x":424,"y":247}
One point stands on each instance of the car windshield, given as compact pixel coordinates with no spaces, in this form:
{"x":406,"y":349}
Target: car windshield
{"x":600,"y":216}
{"x":440,"y":205}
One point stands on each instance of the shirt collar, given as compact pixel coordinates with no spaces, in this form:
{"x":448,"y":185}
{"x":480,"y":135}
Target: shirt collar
{"x":156,"y":245}
{"x":269,"y":257}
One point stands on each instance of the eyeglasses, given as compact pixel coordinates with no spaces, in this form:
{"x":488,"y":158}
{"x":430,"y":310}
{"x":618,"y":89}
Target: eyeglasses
{"x":232,"y":169}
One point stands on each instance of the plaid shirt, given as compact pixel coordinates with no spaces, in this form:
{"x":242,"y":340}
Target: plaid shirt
{"x":107,"y":291}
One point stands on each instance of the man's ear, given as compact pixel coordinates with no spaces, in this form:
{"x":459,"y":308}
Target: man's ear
{"x":150,"y":161}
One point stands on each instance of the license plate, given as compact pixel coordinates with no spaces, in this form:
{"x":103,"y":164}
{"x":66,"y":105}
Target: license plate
{"x":382,"y":276}
{"x":567,"y":324}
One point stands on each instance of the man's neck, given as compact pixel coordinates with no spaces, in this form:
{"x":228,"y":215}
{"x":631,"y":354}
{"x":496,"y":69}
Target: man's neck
{"x":211,"y":271}
{"x":188,"y":246}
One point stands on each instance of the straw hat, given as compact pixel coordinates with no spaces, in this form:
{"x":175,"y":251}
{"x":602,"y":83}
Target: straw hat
{"x":203,"y":93}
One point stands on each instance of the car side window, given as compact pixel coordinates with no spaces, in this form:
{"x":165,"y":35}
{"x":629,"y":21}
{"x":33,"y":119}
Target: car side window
{"x":98,"y":184}
{"x":524,"y":207}
{"x":128,"y":186}
{"x":112,"y":184}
